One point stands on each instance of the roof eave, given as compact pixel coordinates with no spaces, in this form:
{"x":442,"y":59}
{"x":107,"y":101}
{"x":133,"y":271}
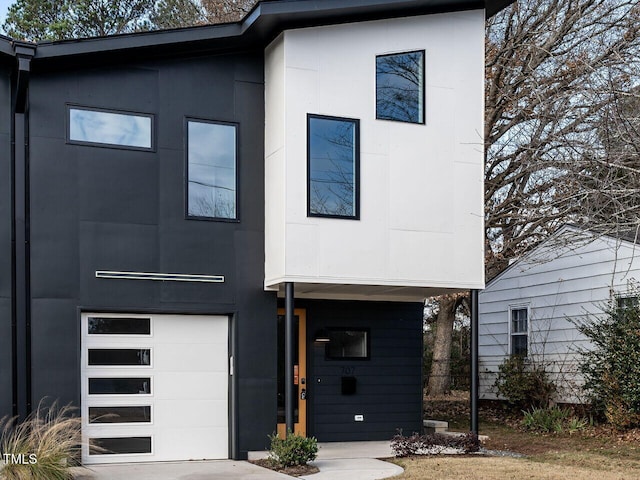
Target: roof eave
{"x":263,"y":23}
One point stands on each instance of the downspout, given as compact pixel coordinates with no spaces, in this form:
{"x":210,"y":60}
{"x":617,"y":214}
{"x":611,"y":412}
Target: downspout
{"x":20,"y":236}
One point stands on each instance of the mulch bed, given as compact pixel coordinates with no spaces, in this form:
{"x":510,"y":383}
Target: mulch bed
{"x":297,"y":471}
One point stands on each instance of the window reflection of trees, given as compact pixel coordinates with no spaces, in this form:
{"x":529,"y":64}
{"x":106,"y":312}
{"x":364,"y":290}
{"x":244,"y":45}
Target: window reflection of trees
{"x":399,"y":87}
{"x":212,"y":170}
{"x":332,"y":165}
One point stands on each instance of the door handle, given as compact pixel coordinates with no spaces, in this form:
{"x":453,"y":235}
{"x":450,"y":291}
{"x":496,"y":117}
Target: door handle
{"x":303,"y":394}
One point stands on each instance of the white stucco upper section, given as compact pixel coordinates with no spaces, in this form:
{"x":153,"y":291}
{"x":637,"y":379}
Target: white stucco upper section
{"x":421,"y":186}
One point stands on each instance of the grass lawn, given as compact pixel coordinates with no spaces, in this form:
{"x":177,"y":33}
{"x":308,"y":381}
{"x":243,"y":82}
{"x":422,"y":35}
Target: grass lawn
{"x":593,"y":454}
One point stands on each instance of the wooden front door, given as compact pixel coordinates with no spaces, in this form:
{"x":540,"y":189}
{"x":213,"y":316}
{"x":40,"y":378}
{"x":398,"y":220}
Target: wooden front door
{"x":299,"y":373}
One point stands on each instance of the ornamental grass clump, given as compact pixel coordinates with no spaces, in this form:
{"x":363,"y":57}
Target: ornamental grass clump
{"x":43,"y":447}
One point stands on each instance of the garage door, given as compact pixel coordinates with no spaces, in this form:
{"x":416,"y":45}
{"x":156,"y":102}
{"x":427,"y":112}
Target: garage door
{"x":154,"y":387}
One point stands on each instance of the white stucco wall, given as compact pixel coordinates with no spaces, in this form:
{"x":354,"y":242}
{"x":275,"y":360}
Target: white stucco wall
{"x":421,"y":186}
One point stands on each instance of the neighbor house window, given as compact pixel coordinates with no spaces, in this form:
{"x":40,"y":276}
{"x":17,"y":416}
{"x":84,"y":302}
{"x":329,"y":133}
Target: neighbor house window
{"x":519,"y":330}
{"x":90,"y":126}
{"x":211,"y":170}
{"x":347,"y":344}
{"x":627,"y":302}
{"x":400,"y":87}
{"x":332,"y":167}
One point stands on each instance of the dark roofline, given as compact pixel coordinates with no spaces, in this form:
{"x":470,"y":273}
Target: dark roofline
{"x":259,"y":27}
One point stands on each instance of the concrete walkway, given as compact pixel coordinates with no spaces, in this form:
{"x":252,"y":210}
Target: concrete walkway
{"x":336,"y":461}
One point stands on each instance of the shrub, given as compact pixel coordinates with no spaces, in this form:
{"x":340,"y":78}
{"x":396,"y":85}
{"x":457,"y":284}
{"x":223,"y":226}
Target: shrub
{"x":48,"y":442}
{"x":611,"y":368}
{"x":293,"y":450}
{"x":433,"y":444}
{"x":524,"y":384}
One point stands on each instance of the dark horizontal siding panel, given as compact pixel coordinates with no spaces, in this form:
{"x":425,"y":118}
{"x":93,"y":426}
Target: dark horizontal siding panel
{"x":371,"y":381}
{"x":389,"y":381}
{"x":362,"y":428}
{"x":373,"y":407}
{"x":364,"y":369}
{"x":369,"y":418}
{"x":367,"y":390}
{"x":382,"y":401}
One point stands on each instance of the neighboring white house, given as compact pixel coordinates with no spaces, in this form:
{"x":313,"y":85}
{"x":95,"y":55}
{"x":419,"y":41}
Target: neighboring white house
{"x":530,"y":308}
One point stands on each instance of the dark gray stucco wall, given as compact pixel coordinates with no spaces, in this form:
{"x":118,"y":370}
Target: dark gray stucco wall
{"x":5,"y":242}
{"x":389,"y":384}
{"x":98,"y":208}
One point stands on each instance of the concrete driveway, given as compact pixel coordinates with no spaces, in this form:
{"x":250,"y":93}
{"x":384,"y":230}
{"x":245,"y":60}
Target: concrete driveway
{"x":201,"y":470}
{"x":336,"y":461}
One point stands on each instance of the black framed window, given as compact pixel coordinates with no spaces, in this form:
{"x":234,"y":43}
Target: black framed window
{"x":400,"y":87}
{"x":519,"y":331}
{"x":110,"y":128}
{"x":120,"y":414}
{"x":119,"y":445}
{"x":212,"y":185}
{"x":118,"y":326}
{"x":351,"y":344}
{"x":120,"y":386}
{"x":333,"y":167}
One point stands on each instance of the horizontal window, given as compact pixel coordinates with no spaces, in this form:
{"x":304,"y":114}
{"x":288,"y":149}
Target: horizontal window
{"x":400,"y":87}
{"x":119,"y":326}
{"x":347,"y":344}
{"x":119,"y":356}
{"x":211,"y":170}
{"x":102,"y":127}
{"x":137,"y":414}
{"x":119,"y":386}
{"x":332,"y":167}
{"x":121,"y":445}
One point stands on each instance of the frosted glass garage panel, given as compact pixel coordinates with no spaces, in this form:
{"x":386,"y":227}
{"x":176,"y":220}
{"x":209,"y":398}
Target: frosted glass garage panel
{"x":109,"y":128}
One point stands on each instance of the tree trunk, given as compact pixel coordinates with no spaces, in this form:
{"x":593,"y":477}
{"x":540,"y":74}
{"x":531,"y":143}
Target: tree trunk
{"x":439,"y":378}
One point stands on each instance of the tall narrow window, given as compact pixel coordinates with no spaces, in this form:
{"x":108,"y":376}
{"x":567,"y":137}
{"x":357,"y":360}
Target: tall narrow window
{"x":90,"y":126}
{"x":519,"y":331}
{"x":332,"y":167}
{"x":400,"y":87}
{"x":211,"y":170}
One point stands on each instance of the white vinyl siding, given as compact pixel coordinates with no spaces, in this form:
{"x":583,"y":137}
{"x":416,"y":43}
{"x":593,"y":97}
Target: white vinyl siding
{"x":562,"y":282}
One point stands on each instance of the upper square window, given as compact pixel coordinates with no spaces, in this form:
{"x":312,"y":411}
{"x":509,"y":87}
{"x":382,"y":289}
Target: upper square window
{"x":332,"y":167}
{"x":211,"y":170}
{"x":400,"y":87}
{"x":90,"y":126}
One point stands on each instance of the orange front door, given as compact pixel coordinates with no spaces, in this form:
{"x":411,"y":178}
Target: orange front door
{"x":299,"y":373}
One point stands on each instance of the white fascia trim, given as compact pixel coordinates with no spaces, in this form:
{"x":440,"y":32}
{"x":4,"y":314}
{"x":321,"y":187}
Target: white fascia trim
{"x":272,"y":284}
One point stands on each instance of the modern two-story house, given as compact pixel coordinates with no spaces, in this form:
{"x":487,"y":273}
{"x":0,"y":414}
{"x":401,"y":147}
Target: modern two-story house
{"x":211,"y":233}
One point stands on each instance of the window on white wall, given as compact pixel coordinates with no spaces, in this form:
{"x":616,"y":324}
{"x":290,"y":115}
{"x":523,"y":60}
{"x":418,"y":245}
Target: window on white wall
{"x":332,"y":167}
{"x":400,"y":87}
{"x":519,"y":331}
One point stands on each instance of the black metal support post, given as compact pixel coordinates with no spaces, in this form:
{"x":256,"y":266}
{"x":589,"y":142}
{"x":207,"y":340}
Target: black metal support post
{"x":474,"y":361}
{"x":288,"y":355}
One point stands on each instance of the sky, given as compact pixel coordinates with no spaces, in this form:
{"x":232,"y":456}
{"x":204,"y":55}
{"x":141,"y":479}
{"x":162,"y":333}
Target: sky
{"x":4,"y":6}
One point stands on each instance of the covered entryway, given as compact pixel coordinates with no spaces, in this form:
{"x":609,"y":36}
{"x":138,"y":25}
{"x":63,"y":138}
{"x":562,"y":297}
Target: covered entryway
{"x":154,"y":387}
